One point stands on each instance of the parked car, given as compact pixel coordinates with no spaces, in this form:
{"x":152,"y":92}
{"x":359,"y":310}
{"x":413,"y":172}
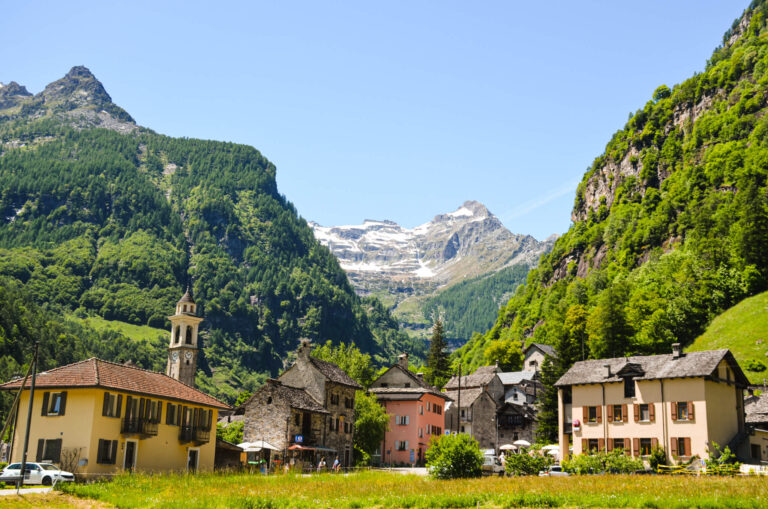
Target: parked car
{"x":554,"y":471}
{"x":492,"y":465}
{"x":37,"y":473}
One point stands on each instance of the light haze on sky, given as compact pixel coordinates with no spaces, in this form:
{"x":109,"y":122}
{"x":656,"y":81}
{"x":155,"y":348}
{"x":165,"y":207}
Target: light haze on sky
{"x":383,"y":110}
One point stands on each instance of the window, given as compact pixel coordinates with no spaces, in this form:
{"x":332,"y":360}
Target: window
{"x":421,"y":432}
{"x":421,"y":409}
{"x":682,"y":411}
{"x":297,"y":419}
{"x":49,"y":450}
{"x":437,"y":409}
{"x":754,"y":450}
{"x":54,"y":403}
{"x":170,"y":414}
{"x":618,"y":415}
{"x":188,"y":336}
{"x":618,"y":443}
{"x":107,"y":453}
{"x":402,"y":420}
{"x":429,"y":406}
{"x":645,"y":446}
{"x":407,"y":385}
{"x":592,"y":414}
{"x":629,"y":387}
{"x":178,"y":334}
{"x":401,"y":445}
{"x":385,"y":385}
{"x":334,"y":399}
{"x":593,"y":444}
{"x":645,"y":414}
{"x":437,"y":431}
{"x":112,"y":405}
{"x":347,"y":402}
{"x":515,"y":435}
{"x":680,"y":446}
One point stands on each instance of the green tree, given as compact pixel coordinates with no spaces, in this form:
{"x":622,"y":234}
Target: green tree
{"x":548,"y":408}
{"x":349,"y":358}
{"x":371,"y":423}
{"x":232,"y":432}
{"x":439,"y":368}
{"x":454,"y":457}
{"x":507,"y":352}
{"x":609,"y":332}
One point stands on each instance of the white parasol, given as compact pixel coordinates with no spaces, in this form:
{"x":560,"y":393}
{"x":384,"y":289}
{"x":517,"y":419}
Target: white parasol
{"x":508,"y":447}
{"x":256,"y":446}
{"x":522,"y":443}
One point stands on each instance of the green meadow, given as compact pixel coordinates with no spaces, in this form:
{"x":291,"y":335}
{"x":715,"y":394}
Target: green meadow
{"x":392,"y":490}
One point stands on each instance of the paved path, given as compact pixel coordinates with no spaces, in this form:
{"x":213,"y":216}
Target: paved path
{"x":406,"y":470}
{"x":24,"y":491}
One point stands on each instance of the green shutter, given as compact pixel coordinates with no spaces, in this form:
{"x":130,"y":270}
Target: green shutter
{"x":119,"y":405}
{"x":40,"y":447}
{"x":46,"y":395}
{"x":63,"y":404}
{"x":105,"y":405}
{"x":113,"y":455}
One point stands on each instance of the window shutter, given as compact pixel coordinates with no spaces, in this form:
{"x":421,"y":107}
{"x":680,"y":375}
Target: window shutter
{"x":169,"y":413}
{"x":636,"y":446}
{"x":46,"y":395}
{"x":210,"y":420}
{"x":584,"y":446}
{"x":179,"y":415}
{"x":652,"y":412}
{"x":609,"y":445}
{"x":599,"y":414}
{"x":407,"y":419}
{"x":55,"y":450}
{"x":105,"y":406}
{"x":584,"y":414}
{"x":141,"y":408}
{"x":63,"y":405}
{"x":608,"y":413}
{"x":690,"y":411}
{"x":637,"y":412}
{"x":406,"y":445}
{"x":601,"y":444}
{"x":119,"y":405}
{"x":397,"y":444}
{"x":673,"y":446}
{"x":129,"y":408}
{"x":100,"y":451}
{"x":40,"y":447}
{"x":674,"y":410}
{"x":113,"y":453}
{"x":654,"y":443}
{"x":628,"y":446}
{"x":625,"y":413}
{"x":159,"y":417}
{"x":687,"y":446}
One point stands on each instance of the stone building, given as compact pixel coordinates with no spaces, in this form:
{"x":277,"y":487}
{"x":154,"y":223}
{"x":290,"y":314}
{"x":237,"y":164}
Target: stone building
{"x":310,"y":407}
{"x":517,"y":412}
{"x":476,"y":399}
{"x":534,"y":355}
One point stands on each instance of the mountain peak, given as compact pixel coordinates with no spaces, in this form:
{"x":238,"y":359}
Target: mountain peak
{"x":80,"y":71}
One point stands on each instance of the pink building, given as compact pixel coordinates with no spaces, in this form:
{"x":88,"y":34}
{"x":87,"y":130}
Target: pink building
{"x":416,"y":409}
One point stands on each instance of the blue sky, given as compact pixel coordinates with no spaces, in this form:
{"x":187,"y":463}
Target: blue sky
{"x":384,"y":110}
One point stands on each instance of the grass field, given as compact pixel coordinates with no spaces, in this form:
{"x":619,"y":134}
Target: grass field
{"x":744,"y":330}
{"x":137,"y":332}
{"x":391,"y":490}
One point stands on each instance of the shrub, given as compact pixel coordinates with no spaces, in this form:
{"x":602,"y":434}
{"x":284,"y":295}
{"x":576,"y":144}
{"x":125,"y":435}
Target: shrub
{"x":615,"y":462}
{"x":658,"y":457}
{"x":525,"y":464}
{"x":454,"y":456}
{"x":756,"y":366}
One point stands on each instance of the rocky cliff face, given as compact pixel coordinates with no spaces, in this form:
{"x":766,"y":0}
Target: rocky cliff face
{"x":470,"y":241}
{"x":78,"y":97}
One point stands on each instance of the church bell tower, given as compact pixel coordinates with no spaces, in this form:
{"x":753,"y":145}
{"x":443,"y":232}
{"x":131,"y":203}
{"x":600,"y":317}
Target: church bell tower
{"x":182,"y":352}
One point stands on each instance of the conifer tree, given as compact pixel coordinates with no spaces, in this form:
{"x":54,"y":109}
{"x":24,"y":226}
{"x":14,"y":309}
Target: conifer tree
{"x":439,"y":368}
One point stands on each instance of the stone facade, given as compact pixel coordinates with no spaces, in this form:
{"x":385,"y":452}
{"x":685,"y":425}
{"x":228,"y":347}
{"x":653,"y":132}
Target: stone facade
{"x":310,"y":405}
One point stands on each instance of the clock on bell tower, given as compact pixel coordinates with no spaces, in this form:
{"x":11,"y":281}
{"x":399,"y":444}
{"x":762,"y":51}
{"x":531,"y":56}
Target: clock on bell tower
{"x":182,"y":351}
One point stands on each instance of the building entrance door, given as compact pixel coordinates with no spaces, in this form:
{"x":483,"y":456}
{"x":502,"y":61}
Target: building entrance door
{"x":192,"y":456}
{"x":129,"y":461}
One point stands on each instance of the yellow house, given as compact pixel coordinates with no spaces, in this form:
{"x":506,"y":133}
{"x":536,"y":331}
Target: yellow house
{"x":102,"y":417}
{"x":682,"y":402}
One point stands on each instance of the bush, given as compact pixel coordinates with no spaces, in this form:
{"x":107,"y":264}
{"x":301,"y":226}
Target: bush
{"x":756,"y":366}
{"x":524,"y":464}
{"x":454,"y":456}
{"x":658,"y":457}
{"x":615,"y":462}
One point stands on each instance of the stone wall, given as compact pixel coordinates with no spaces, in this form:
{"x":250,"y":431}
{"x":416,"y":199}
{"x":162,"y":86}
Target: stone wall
{"x":266,"y":418}
{"x":345,"y":411}
{"x":484,"y":421}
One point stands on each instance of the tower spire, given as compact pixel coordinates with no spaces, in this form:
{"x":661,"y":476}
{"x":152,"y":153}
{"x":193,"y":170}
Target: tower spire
{"x":183,"y":348}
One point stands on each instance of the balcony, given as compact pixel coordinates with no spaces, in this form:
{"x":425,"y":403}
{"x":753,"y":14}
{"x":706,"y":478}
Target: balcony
{"x":141,"y":427}
{"x":196,"y":435}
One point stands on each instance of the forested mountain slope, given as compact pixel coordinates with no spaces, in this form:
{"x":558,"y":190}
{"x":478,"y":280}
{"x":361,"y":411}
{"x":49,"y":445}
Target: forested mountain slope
{"x":100,"y":216}
{"x":670,"y":223}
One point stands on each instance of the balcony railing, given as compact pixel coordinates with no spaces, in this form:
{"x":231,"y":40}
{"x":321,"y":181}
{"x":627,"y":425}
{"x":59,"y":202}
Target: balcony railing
{"x":192,"y":434}
{"x":141,"y":427}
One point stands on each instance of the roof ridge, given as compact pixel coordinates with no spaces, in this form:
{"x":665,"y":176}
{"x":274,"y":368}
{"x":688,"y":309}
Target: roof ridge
{"x":96,"y":371}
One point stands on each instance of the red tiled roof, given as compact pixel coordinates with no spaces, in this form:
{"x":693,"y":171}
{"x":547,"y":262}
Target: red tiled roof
{"x":95,"y":372}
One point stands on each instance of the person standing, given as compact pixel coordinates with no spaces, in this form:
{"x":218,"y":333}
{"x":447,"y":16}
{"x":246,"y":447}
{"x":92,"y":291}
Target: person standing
{"x":336,"y":465}
{"x":321,"y":465}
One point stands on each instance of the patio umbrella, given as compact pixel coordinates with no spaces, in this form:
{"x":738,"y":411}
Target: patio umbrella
{"x":522,"y":443}
{"x":551,"y":448}
{"x":256,"y":446}
{"x":507,"y":447}
{"x":553,"y":452}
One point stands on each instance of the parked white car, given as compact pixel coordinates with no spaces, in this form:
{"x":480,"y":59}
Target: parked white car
{"x":39,"y":473}
{"x":554,"y":471}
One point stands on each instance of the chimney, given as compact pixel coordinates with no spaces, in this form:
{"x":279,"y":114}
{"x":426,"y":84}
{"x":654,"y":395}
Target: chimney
{"x":420,"y":376}
{"x":677,"y":352}
{"x":607,"y":368}
{"x":304,"y":348}
{"x":402,"y":360}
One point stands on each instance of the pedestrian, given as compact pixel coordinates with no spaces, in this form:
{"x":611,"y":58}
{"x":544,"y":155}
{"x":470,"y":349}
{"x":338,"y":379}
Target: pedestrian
{"x":321,"y":465}
{"x":336,"y":465}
